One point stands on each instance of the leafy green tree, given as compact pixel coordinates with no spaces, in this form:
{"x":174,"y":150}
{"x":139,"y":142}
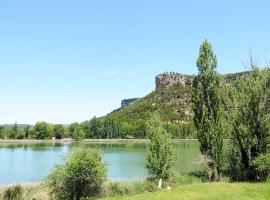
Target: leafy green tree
{"x":71,"y":129}
{"x":13,"y":131}
{"x":207,"y":108}
{"x":42,"y":130}
{"x":58,"y":131}
{"x":81,"y":176}
{"x":78,"y":133}
{"x":94,"y":127}
{"x":27,"y":132}
{"x":2,"y":129}
{"x":160,"y":153}
{"x":248,"y":109}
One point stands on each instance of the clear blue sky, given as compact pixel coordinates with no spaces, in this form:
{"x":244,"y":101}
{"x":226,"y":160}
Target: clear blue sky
{"x":63,"y":61}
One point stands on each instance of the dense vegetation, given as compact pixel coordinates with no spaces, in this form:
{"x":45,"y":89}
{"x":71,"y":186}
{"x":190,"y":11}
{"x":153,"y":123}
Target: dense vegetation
{"x":243,"y":109}
{"x":41,"y":130}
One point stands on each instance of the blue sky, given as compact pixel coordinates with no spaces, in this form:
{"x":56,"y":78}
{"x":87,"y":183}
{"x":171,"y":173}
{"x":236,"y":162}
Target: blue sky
{"x":63,"y":61}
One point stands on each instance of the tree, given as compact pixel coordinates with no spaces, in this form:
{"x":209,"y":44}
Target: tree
{"x":42,"y":130}
{"x":206,"y":105}
{"x":81,"y":176}
{"x":78,"y":133}
{"x":2,"y":129}
{"x":71,"y":129}
{"x":248,"y":109}
{"x":58,"y":131}
{"x":27,"y":131}
{"x":160,"y":152}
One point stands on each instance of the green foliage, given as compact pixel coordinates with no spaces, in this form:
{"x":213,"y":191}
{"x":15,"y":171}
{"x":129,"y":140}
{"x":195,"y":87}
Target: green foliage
{"x":58,"y":131}
{"x":206,"y":104}
{"x":13,"y":193}
{"x":42,"y":130}
{"x":262,"y":165}
{"x":81,"y":176}
{"x":247,"y":104}
{"x":234,"y":167}
{"x":129,"y":187}
{"x":160,"y":152}
{"x":2,"y":129}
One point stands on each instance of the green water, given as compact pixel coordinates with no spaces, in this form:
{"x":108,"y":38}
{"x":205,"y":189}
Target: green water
{"x":32,"y":162}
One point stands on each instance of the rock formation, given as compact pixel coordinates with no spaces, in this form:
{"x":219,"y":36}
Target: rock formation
{"x":170,"y":78}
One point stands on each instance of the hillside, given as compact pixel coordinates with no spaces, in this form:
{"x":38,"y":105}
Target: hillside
{"x":172,"y":103}
{"x":171,"y":100}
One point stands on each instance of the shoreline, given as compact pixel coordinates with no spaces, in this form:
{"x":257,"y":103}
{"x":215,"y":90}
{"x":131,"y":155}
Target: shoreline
{"x":67,"y":141}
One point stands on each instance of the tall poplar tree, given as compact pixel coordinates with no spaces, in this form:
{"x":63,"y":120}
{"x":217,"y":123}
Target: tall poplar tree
{"x":206,"y":104}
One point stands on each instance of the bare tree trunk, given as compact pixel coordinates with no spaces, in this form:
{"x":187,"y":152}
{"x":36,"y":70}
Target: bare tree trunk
{"x":219,"y":173}
{"x":212,"y":176}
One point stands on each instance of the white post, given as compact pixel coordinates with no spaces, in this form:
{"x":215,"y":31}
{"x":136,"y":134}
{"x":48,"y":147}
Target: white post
{"x":160,"y":183}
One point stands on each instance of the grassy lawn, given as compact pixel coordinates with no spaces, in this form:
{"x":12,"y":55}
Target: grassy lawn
{"x":207,"y":191}
{"x":196,"y":191}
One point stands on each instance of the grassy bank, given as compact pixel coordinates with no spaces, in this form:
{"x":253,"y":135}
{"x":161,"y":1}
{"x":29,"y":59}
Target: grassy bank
{"x":195,"y":191}
{"x":207,"y":191}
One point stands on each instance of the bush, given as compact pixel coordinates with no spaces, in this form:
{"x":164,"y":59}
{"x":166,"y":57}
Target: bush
{"x":13,"y":193}
{"x":262,"y":165}
{"x":116,"y":189}
{"x":81,"y":176}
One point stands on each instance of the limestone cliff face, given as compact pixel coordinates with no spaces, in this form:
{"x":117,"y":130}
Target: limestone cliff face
{"x":170,"y":78}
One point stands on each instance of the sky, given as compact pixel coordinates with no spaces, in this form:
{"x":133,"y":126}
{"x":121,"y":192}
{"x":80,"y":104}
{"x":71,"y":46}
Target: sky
{"x":63,"y":61}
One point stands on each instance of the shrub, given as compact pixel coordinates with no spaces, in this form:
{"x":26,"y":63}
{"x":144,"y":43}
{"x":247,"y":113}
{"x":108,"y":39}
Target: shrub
{"x":150,"y":186}
{"x":81,"y":176}
{"x":116,"y":189}
{"x":13,"y":193}
{"x":262,"y":165}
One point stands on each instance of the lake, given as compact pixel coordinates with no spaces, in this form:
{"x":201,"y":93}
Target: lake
{"x":20,"y":163}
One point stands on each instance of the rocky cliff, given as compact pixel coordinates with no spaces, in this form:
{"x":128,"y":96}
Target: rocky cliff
{"x":171,"y":78}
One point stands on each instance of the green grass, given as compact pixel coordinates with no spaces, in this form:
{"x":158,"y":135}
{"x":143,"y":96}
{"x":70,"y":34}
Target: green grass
{"x":207,"y":191}
{"x":193,"y":191}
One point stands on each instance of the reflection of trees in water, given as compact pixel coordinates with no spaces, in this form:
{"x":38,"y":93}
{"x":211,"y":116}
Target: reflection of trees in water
{"x":32,"y":146}
{"x":109,"y":147}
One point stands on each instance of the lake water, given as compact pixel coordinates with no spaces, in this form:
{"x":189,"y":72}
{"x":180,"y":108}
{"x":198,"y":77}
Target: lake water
{"x":21,"y":163}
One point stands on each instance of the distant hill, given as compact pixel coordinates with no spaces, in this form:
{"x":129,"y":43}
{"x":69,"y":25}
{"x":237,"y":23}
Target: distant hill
{"x":20,"y":126}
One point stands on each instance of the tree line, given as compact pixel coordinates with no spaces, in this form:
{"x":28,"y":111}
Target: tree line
{"x":96,"y":128}
{"x":41,"y":130}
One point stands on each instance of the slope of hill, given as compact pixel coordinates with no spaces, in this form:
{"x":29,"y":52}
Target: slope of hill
{"x":171,"y":100}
